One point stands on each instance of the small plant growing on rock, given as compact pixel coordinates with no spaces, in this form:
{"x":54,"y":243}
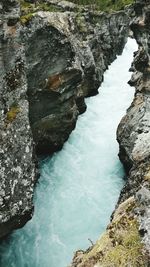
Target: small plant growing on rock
{"x":26,"y":18}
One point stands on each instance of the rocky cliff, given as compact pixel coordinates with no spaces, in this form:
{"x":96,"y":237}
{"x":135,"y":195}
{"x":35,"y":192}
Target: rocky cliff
{"x":17,"y":167}
{"x":134,"y":129}
{"x":49,"y":61}
{"x":126,"y":241}
{"x":66,"y":55}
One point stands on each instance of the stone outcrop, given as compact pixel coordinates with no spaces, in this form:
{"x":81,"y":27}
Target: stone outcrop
{"x":17,"y":161}
{"x":134,"y":129}
{"x":49,"y":61}
{"x":126,"y":241}
{"x":66,"y":55}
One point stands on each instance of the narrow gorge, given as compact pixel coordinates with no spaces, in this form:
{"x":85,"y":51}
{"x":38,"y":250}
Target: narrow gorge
{"x":53,"y":54}
{"x":78,"y":189}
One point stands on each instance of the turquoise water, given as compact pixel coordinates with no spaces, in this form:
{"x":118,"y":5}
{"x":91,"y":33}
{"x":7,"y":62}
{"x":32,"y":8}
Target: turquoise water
{"x":79,"y":185}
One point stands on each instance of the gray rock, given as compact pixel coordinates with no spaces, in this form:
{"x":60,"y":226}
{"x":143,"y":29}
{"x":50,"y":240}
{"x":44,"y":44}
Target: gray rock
{"x":17,"y":167}
{"x":66,"y":64}
{"x":134,"y":130}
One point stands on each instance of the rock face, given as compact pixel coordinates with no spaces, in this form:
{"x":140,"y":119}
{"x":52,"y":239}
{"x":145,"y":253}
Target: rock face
{"x":49,"y":61}
{"x":17,"y":167}
{"x":126,"y":241}
{"x":66,"y":55}
{"x":134,"y":129}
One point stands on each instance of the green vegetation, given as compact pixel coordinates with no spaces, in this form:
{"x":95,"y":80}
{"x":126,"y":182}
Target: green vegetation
{"x":128,"y":247}
{"x":104,"y":5}
{"x":26,"y":18}
{"x":81,"y":23}
{"x":28,"y":10}
{"x":121,"y":244}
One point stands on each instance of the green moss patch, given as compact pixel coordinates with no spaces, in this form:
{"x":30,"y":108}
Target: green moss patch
{"x":81,"y":23}
{"x":29,"y":9}
{"x":12,"y":113}
{"x":104,"y":5}
{"x":26,"y":18}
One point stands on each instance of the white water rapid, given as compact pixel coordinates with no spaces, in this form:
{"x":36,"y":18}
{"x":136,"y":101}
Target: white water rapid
{"x":80,"y":185}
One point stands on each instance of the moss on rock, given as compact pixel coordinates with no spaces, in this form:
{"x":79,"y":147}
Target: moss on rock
{"x":81,"y":23}
{"x":26,"y":18}
{"x":12,"y":113}
{"x":104,"y":5}
{"x":28,"y":10}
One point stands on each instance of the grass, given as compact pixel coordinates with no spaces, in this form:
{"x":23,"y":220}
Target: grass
{"x":104,"y":5}
{"x":127,"y":249}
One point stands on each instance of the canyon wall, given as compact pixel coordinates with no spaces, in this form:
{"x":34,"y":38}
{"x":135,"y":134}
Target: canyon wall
{"x":49,"y":61}
{"x":67,"y":54}
{"x":17,"y":161}
{"x":126,"y":241}
{"x":134,"y":130}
